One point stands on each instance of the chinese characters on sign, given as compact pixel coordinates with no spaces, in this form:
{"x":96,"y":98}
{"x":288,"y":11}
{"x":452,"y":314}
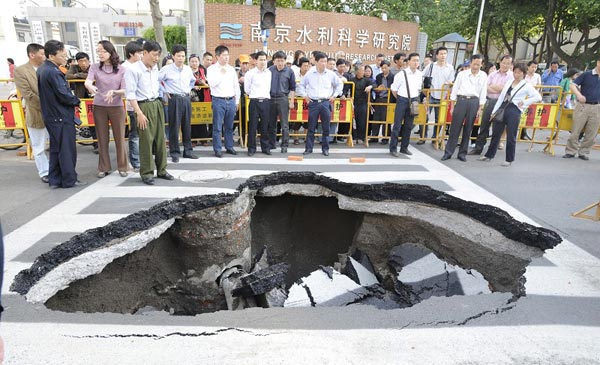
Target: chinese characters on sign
{"x":343,"y":37}
{"x":37,"y":32}
{"x":95,"y":32}
{"x":85,"y":40}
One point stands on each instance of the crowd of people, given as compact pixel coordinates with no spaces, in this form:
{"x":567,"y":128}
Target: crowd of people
{"x":498,"y":94}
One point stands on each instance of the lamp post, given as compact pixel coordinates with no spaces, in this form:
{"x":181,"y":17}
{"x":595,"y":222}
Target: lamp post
{"x":479,"y":26}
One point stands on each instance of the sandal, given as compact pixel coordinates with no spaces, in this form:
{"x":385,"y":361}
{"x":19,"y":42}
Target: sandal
{"x":102,"y":174}
{"x":123,"y":173}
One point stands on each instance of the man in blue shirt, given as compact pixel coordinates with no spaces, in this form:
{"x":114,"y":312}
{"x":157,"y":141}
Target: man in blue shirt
{"x":552,"y":77}
{"x":321,"y":86}
{"x":586,"y":116}
{"x":177,"y":79}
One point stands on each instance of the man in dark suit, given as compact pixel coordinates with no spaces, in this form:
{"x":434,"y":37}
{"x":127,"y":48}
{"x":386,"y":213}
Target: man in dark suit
{"x":58,"y":110}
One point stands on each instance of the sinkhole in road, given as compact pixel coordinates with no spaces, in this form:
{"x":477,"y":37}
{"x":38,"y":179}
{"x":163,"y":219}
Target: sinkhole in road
{"x":289,"y":240}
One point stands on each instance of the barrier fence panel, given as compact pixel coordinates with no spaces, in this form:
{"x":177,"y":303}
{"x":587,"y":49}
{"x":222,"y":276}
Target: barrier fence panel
{"x":376,"y":110}
{"x":13,"y":132}
{"x":425,"y":109}
{"x":202,"y":115}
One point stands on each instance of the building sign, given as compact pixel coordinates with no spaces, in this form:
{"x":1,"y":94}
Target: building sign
{"x":96,"y":38}
{"x":359,"y":37}
{"x":129,"y":32}
{"x":37,"y":32}
{"x":85,"y":39}
{"x":231,"y":31}
{"x":128,"y":24}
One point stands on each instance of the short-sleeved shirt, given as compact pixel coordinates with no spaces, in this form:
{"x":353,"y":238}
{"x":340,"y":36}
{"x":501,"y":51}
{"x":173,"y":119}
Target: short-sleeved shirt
{"x":141,"y":83}
{"x":589,"y":83}
{"x":106,"y":79}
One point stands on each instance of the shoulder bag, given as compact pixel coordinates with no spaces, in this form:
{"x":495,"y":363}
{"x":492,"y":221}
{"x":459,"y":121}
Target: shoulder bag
{"x":498,"y":116}
{"x":414,"y":105}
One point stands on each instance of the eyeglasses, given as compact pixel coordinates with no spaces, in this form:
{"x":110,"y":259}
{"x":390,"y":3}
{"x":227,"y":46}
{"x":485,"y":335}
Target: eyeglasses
{"x":101,"y":51}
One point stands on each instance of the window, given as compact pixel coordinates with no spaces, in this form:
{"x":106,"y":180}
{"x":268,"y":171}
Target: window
{"x":70,"y":27}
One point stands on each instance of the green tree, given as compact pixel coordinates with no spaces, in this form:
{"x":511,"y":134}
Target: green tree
{"x":174,"y":34}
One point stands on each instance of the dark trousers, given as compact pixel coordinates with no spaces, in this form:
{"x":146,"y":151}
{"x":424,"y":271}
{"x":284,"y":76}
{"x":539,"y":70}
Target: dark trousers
{"x":280,"y":107}
{"x":152,"y":140}
{"x":465,"y":110}
{"x":134,"y":141}
{"x":484,"y":128}
{"x":179,"y":116}
{"x":259,"y":110}
{"x":224,"y":111}
{"x":403,"y":124}
{"x":318,"y":110}
{"x":360,"y":115}
{"x":63,"y":152}
{"x":511,"y":120}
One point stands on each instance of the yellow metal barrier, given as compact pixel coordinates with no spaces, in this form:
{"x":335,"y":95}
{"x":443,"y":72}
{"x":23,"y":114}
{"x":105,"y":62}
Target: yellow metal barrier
{"x":13,"y":132}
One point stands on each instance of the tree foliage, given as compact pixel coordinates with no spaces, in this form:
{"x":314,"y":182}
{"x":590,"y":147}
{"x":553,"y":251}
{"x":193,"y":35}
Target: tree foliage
{"x":174,"y":34}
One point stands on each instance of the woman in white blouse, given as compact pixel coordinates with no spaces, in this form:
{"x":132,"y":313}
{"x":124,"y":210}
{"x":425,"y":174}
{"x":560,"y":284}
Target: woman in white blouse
{"x":516,"y":96}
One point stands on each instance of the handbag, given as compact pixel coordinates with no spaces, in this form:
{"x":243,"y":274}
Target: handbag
{"x":498,"y":116}
{"x":414,"y":105}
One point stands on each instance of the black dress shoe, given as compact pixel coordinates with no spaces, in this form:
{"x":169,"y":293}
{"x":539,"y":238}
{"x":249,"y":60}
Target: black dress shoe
{"x":462,"y":158}
{"x":568,"y":155}
{"x":44,"y":179}
{"x":174,"y":159}
{"x":326,"y":153}
{"x":267,"y":152}
{"x":219,"y":154}
{"x":421,"y":142}
{"x":584,"y":157}
{"x":474,"y":152}
{"x":251,"y":153}
{"x":148,"y":180}
{"x":166,"y":176}
{"x":405,"y":151}
{"x":306,"y":152}
{"x":231,"y":152}
{"x":446,"y":157}
{"x":283,"y":149}
{"x":192,"y":156}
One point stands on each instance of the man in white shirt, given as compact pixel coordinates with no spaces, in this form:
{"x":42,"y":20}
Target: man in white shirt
{"x":258,"y":88}
{"x":177,"y":79}
{"x":321,"y":86}
{"x":225,"y":91}
{"x":469,"y":92}
{"x":405,"y":95}
{"x":133,"y":51}
{"x":442,"y":76}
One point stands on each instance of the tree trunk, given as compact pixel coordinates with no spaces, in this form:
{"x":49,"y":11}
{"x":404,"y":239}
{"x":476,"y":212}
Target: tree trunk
{"x":158,"y":27}
{"x":504,"y":39}
{"x":515,"y":38}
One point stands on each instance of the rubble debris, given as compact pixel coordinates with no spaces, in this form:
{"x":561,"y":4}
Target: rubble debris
{"x":319,"y":290}
{"x":359,"y":268}
{"x":421,"y":275}
{"x":262,"y":281}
